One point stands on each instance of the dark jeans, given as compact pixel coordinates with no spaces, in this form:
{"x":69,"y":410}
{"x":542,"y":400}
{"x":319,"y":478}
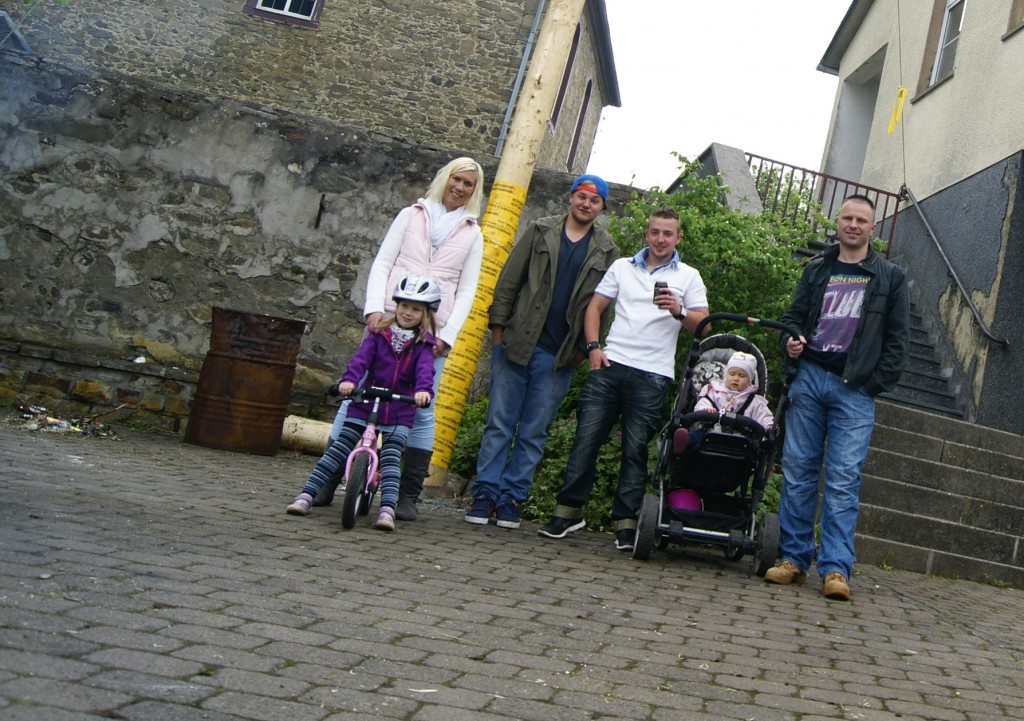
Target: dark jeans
{"x":617,"y":393}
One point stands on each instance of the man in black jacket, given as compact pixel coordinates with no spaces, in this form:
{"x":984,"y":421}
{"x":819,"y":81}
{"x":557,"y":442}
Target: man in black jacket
{"x":852,"y":307}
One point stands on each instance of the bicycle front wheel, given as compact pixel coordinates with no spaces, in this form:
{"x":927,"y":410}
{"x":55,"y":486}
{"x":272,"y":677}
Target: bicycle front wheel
{"x":358,"y":477}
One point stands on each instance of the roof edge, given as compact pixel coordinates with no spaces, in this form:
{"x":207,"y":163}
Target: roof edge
{"x":597,"y":13}
{"x":844,"y":36}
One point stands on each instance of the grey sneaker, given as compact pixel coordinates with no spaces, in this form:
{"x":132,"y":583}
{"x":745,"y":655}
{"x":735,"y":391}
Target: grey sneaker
{"x":406,"y":509}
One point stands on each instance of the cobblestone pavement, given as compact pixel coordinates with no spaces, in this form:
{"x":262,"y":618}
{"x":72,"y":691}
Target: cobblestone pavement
{"x":142,"y":578}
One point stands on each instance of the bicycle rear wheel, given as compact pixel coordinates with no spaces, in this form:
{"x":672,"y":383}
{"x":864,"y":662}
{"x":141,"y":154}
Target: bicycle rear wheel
{"x":358,"y":477}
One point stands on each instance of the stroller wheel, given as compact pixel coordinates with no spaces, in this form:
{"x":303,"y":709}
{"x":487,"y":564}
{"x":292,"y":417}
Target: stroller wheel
{"x":733,"y":554}
{"x":766,"y":547}
{"x":646,"y":527}
{"x":737,"y":546}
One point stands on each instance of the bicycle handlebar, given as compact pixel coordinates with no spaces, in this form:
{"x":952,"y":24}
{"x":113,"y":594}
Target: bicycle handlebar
{"x":383,"y":394}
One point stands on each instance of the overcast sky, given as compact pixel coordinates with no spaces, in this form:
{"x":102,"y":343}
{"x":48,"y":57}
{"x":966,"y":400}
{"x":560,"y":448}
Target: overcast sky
{"x":736,"y":72}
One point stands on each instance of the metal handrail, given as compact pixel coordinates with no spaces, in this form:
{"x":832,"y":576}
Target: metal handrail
{"x":828,"y":191}
{"x":905,"y":192}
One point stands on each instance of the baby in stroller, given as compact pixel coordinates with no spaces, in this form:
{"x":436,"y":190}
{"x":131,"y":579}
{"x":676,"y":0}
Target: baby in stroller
{"x":735,"y":392}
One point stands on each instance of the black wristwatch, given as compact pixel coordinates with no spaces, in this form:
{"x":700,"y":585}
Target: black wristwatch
{"x":593,"y":345}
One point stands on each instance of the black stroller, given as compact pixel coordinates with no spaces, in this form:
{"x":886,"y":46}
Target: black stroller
{"x":709,"y":492}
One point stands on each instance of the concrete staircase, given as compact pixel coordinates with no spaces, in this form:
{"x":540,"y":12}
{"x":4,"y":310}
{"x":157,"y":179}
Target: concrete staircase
{"x":944,"y":497}
{"x":928,"y":381}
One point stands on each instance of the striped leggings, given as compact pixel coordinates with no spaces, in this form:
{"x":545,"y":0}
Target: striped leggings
{"x":333,"y":460}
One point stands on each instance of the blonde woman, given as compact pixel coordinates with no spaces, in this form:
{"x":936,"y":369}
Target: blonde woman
{"x":437,"y":236}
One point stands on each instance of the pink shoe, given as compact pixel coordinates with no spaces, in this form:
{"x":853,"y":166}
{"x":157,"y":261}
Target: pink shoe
{"x":385,"y":519}
{"x":300,"y":506}
{"x":680,"y":439}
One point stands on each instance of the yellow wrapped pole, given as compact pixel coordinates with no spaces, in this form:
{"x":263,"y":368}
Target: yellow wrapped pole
{"x":501,"y":219}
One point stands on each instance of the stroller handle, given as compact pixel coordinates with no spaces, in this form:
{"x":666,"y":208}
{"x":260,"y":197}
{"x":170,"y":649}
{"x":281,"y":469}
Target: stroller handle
{"x":698,"y":332}
{"x":789,"y":364}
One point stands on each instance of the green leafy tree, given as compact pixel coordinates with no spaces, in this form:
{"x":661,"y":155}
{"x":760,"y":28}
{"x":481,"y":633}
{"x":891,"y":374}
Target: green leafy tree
{"x":747,"y":263}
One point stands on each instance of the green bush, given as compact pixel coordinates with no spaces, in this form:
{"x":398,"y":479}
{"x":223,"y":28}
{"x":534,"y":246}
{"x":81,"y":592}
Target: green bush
{"x":467,"y":441}
{"x":747,"y":263}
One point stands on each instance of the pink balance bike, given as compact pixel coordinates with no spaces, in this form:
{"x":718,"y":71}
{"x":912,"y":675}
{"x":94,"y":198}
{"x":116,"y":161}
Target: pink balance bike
{"x":361,"y":475}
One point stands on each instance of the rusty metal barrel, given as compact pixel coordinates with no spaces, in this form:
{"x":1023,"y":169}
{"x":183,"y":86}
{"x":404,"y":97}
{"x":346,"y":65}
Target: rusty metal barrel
{"x":245,"y":384}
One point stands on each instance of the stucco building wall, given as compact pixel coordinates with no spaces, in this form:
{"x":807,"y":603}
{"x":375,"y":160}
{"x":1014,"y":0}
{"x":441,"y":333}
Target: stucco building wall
{"x":959,"y":126}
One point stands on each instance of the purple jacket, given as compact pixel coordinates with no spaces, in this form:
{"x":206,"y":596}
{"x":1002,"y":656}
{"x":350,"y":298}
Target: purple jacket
{"x":408,"y":373}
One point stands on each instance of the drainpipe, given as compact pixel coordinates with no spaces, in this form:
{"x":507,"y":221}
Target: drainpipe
{"x":519,"y":79}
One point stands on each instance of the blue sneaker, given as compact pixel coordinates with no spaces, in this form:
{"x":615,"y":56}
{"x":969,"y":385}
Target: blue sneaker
{"x":507,"y":513}
{"x":480,"y":510}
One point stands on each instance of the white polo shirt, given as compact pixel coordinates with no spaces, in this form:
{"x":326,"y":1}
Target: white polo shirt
{"x":642,"y":335}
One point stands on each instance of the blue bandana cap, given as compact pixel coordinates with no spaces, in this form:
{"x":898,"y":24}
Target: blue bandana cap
{"x":593,"y":184}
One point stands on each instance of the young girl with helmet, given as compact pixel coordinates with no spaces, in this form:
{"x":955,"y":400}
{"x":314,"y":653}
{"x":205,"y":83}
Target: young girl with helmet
{"x":400,"y":357}
{"x":437,"y":236}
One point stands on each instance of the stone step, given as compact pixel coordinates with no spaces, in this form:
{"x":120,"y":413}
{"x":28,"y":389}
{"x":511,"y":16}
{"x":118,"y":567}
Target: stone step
{"x":929,"y":364}
{"x":898,"y":416}
{"x":942,"y":496}
{"x":963,"y":456}
{"x":953,"y":475}
{"x":951,"y":411}
{"x":942,"y":536}
{"x":925,"y":348}
{"x":928,"y":506}
{"x":929,"y":378}
{"x":924,"y":397}
{"x":883,"y":552}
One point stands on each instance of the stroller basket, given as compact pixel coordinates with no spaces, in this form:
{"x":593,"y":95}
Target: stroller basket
{"x":725,"y":457}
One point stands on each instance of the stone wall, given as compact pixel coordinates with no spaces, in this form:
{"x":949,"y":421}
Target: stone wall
{"x":127,"y":213}
{"x":980,"y":225}
{"x":419,"y":69}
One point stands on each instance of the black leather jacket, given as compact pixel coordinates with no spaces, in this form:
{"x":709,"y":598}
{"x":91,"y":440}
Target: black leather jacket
{"x":879,"y":349}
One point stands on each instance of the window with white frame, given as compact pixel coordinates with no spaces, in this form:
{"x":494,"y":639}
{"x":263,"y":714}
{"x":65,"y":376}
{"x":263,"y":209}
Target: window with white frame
{"x":950,"y":38}
{"x":296,"y":12}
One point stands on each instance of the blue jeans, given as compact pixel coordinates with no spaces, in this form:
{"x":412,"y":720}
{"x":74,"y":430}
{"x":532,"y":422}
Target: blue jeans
{"x":616,"y":393}
{"x":823,"y":408}
{"x":422,"y":434}
{"x":522,"y":403}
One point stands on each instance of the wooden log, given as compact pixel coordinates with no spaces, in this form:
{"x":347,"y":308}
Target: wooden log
{"x":305,"y":434}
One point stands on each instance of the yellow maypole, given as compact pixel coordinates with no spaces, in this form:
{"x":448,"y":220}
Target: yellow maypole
{"x":501,"y":219}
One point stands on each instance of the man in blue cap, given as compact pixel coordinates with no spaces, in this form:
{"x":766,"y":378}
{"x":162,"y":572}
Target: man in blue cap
{"x":537,"y":338}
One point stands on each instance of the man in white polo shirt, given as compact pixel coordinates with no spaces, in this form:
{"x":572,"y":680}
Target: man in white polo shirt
{"x":630,"y":377}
